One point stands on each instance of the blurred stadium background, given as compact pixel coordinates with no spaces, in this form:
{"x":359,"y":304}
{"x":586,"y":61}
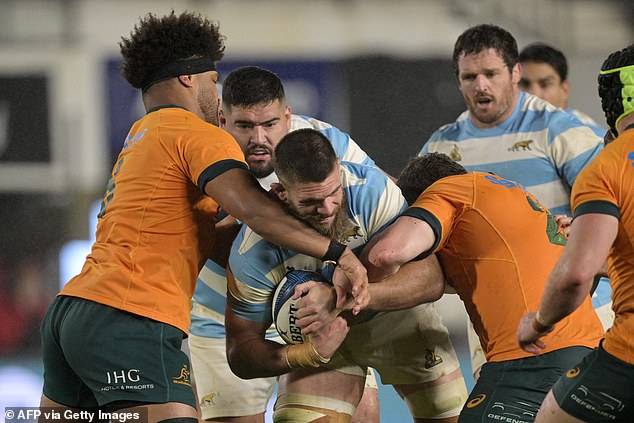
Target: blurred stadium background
{"x":379,"y":69}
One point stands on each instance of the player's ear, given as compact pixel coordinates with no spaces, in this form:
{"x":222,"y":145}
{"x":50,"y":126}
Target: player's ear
{"x":565,"y":86}
{"x":221,"y":118}
{"x":186,"y":80}
{"x":279,"y":190}
{"x":288,"y":111}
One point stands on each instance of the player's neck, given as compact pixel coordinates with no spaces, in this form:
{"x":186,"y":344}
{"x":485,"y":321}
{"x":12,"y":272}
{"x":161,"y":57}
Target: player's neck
{"x":625,"y":122}
{"x":159,"y":96}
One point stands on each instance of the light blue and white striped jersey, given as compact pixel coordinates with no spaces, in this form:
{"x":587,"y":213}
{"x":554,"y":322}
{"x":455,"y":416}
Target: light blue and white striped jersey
{"x":208,"y":304}
{"x":258,"y":266}
{"x":541,"y":146}
{"x":588,"y":121}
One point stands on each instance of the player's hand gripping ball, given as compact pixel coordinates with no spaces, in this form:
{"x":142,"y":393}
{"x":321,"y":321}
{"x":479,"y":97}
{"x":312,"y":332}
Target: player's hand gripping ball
{"x":284,"y":308}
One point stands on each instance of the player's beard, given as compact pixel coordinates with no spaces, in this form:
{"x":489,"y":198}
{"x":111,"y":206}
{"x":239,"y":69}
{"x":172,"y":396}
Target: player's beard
{"x":259,"y":168}
{"x":340,"y":228}
{"x":209,"y":106}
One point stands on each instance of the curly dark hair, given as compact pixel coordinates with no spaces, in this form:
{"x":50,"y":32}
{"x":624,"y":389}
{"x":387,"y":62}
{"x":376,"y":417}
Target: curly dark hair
{"x":251,"y":85}
{"x":483,"y":37}
{"x":420,"y":172}
{"x":159,"y":41}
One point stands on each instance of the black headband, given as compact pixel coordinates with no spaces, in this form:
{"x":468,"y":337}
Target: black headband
{"x":180,"y":67}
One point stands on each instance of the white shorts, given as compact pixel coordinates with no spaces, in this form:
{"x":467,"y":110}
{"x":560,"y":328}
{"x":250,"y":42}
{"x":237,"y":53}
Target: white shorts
{"x":406,"y":347}
{"x":223,"y":394}
{"x":220,"y":392}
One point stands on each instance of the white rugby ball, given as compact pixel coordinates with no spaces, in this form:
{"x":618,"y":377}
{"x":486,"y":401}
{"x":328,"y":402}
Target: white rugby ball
{"x":284,"y":308}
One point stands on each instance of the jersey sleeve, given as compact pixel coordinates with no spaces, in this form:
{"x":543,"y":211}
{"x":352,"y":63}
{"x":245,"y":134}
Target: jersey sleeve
{"x":379,"y":199}
{"x":572,"y":145}
{"x":345,"y":147}
{"x":593,"y":192}
{"x":209,"y":153}
{"x":441,"y":204}
{"x":251,"y":276}
{"x":428,"y":147}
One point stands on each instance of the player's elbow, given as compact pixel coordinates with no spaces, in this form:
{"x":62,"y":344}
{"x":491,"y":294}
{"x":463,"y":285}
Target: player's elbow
{"x":383,"y":258}
{"x":236,"y":364}
{"x":577,"y":279}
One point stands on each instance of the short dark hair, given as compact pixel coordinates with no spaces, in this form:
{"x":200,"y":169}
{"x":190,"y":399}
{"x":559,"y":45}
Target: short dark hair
{"x":420,"y":172}
{"x":157,"y":42}
{"x":305,"y":155}
{"x":615,"y":100}
{"x":483,"y":37}
{"x":543,"y":53}
{"x":251,"y":85}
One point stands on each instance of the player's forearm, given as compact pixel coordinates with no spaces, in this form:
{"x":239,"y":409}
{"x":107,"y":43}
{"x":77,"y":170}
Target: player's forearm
{"x":415,"y":283}
{"x":274,"y":224}
{"x":565,"y":291}
{"x":257,"y":358}
{"x":242,"y":197}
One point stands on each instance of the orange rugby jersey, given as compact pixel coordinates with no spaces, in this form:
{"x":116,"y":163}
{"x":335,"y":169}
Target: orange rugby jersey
{"x":497,"y":245}
{"x":155,"y":227}
{"x":606,"y":186}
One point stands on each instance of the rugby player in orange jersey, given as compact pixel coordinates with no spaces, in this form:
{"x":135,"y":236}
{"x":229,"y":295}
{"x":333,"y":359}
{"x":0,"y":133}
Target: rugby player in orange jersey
{"x":496,"y":245}
{"x":112,"y":338}
{"x":600,"y":387}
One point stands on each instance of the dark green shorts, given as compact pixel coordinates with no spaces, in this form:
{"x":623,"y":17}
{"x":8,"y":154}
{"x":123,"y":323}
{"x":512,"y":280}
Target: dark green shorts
{"x":598,"y":389}
{"x":513,"y":390}
{"x":95,"y":355}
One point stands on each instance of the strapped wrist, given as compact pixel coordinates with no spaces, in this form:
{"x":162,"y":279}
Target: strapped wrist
{"x":538,"y":326}
{"x":304,"y":356}
{"x":334,"y":252}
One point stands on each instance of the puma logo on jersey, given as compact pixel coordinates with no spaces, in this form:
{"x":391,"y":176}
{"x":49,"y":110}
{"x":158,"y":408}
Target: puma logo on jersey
{"x":454,"y":154}
{"x":208,"y":400}
{"x":521,"y":145}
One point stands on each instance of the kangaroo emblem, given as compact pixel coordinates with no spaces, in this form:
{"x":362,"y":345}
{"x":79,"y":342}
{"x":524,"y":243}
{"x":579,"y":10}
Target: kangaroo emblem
{"x":523,"y":145}
{"x":454,"y":154}
{"x":183,"y":378}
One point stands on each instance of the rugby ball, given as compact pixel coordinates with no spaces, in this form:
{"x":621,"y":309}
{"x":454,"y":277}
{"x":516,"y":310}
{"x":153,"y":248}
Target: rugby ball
{"x":284,"y":307}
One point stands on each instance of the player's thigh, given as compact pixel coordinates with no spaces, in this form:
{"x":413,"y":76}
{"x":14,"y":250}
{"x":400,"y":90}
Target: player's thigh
{"x":411,"y":350}
{"x":515,"y":389}
{"x":124,"y":358}
{"x":368,"y":408}
{"x":599,"y":388}
{"x":220,"y":392}
{"x":550,"y":412}
{"x":310,"y":395}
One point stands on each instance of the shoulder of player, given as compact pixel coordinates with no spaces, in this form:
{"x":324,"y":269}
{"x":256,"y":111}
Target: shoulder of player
{"x":354,"y":174}
{"x":547,"y":113}
{"x":303,"y":122}
{"x":451,"y":131}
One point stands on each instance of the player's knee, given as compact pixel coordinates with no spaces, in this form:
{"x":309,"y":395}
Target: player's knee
{"x":295,"y":408}
{"x":179,"y":420}
{"x":437,"y":402}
